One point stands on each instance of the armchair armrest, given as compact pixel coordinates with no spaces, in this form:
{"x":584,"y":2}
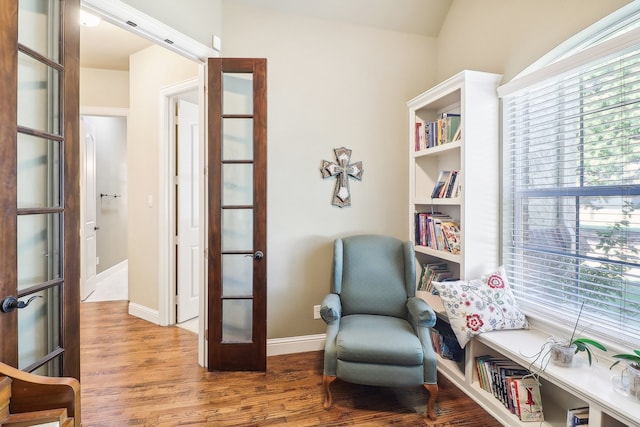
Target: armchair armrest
{"x":420,"y":313}
{"x":331,"y":308}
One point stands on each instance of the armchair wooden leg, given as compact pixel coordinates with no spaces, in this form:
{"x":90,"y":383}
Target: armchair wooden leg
{"x":326,"y":382}
{"x":433,"y":394}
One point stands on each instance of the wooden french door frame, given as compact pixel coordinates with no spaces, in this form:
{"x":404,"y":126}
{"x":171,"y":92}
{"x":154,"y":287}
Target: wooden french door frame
{"x":248,"y":355}
{"x":69,"y":348}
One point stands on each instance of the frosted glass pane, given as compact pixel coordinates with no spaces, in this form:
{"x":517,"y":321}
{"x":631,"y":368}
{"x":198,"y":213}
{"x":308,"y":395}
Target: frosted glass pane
{"x":237,"y":93}
{"x":38,"y":249}
{"x":39,"y":26}
{"x":38,"y":172}
{"x":237,"y":320}
{"x":237,"y":184}
{"x":237,"y":139}
{"x":237,"y":275}
{"x":38,"y":91}
{"x":39,"y":326}
{"x":237,"y":230}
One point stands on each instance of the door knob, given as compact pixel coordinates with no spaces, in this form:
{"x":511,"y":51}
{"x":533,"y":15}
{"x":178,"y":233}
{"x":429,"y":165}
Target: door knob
{"x":10,"y":303}
{"x":96,"y":228}
{"x":257,"y":255}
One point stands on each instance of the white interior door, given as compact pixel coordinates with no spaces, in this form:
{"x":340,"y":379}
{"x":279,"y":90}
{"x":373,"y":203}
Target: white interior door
{"x":189,"y":252}
{"x":89,"y":217}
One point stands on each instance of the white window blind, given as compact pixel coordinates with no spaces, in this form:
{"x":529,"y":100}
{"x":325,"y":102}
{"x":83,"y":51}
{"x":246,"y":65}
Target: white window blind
{"x":571,"y":219}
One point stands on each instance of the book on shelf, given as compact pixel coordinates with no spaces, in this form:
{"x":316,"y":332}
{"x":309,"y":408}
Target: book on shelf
{"x":419,"y":135}
{"x":450,"y":126}
{"x":437,"y":271}
{"x":511,"y":384}
{"x":529,"y":399}
{"x":577,"y":415}
{"x":445,"y":342}
{"x":446,"y":185}
{"x":451,"y":234}
{"x":443,"y":130}
{"x":429,"y":231}
{"x":440,"y":183}
{"x":581,"y":419}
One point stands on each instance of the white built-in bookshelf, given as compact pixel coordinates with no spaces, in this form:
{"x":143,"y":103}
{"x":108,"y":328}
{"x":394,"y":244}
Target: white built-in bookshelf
{"x":475,"y":155}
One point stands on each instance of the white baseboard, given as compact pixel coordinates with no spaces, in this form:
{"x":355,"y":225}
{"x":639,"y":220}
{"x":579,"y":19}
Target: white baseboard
{"x":300,"y":344}
{"x":113,"y":270}
{"x":144,"y":313}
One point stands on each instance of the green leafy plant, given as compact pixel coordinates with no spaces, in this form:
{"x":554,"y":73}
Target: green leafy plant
{"x":582,"y":344}
{"x":633,"y":358}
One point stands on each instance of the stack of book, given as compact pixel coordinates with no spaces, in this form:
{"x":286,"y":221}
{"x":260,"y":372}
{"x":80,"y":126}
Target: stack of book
{"x":437,"y":231}
{"x":441,"y":131}
{"x":512,"y":384}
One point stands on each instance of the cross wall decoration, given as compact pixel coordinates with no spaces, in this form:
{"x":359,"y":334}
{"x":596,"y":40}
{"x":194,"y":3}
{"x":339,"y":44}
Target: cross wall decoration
{"x":342,"y":171}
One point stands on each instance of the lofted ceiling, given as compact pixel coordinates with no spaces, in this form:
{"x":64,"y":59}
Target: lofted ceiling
{"x":108,"y":46}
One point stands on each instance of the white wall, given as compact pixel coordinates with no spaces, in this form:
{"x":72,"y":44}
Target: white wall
{"x":329,"y":85}
{"x":111,"y":178}
{"x":198,"y":19}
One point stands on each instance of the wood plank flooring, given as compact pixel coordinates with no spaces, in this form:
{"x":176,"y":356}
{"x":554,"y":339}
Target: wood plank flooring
{"x":134,"y":373}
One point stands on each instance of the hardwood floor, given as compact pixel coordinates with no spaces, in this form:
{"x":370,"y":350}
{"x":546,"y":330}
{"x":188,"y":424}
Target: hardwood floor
{"x":134,"y":373}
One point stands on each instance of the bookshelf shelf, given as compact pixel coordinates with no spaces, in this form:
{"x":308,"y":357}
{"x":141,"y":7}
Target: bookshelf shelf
{"x":438,"y":254}
{"x":476,"y":156}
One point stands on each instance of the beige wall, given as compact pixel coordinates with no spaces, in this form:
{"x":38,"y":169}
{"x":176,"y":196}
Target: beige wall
{"x":150,"y":71}
{"x":329,"y":85}
{"x":506,"y":36}
{"x":104,"y":88}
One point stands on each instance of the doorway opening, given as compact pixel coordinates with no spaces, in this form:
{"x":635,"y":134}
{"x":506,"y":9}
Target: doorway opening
{"x":162,"y":275}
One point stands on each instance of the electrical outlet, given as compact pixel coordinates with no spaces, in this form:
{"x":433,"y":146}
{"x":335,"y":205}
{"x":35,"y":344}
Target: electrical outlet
{"x":97,"y":260}
{"x":316,"y":311}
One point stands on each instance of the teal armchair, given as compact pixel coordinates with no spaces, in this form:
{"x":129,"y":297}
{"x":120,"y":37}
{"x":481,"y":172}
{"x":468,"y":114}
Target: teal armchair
{"x":378,"y":331}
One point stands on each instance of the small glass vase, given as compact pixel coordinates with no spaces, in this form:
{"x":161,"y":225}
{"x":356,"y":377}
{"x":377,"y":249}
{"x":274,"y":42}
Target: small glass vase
{"x":627,"y":382}
{"x":562,"y":354}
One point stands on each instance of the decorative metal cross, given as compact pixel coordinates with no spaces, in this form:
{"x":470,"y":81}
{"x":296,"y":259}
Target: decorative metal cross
{"x":342,"y":171}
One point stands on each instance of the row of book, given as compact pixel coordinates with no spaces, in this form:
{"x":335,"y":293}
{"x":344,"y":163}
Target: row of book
{"x":512,"y":384}
{"x":433,"y":272}
{"x":443,"y":130}
{"x":447,"y":185}
{"x":445,"y":342}
{"x":437,"y":231}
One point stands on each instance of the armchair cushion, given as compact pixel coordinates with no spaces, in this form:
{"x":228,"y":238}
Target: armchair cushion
{"x":360,"y":336}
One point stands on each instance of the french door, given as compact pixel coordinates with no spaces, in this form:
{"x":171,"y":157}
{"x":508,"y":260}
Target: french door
{"x":237,"y":236}
{"x":39,"y":187}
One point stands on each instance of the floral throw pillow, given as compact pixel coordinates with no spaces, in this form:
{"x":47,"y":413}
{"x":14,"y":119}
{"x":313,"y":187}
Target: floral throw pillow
{"x":480,"y":305}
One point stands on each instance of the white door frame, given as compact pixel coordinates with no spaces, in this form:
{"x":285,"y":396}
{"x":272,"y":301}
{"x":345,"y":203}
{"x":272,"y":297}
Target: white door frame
{"x":166,"y":203}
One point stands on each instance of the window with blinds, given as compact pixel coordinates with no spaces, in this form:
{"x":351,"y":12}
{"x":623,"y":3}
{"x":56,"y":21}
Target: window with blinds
{"x":571,"y":219}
